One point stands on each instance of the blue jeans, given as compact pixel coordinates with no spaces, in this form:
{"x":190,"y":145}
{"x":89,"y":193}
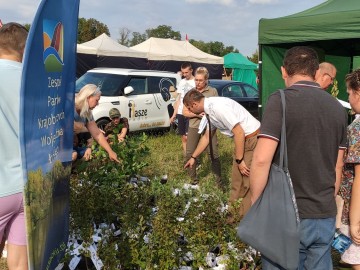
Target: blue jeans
{"x":80,"y":151}
{"x":316,"y":236}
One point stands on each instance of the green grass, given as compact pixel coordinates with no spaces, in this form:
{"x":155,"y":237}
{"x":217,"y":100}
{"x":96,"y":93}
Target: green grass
{"x":166,"y":157}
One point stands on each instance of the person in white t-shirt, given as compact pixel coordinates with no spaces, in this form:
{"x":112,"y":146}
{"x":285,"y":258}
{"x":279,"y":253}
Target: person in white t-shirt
{"x":184,"y":86}
{"x":234,"y":121}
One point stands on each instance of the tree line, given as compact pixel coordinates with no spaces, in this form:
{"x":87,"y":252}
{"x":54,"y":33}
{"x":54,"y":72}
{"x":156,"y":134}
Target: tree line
{"x":89,"y":29}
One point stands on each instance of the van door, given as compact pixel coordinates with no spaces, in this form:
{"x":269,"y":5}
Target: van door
{"x":138,"y":105}
{"x":160,"y":88}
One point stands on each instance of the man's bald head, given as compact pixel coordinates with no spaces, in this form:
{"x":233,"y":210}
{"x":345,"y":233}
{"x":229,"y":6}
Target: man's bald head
{"x":325,"y":75}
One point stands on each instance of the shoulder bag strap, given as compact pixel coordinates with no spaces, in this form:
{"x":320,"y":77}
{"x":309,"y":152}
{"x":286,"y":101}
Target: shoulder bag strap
{"x":283,"y":145}
{"x":210,"y":139}
{"x":284,"y":157}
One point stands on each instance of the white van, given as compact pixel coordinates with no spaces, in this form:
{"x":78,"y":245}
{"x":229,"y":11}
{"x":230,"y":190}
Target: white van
{"x":142,"y":96}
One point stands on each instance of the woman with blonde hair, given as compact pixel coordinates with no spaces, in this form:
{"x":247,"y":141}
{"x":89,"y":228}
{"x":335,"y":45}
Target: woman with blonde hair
{"x":85,"y":101}
{"x":350,"y":185}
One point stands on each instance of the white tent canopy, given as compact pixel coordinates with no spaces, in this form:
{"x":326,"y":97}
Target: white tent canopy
{"x":176,"y":50}
{"x":104,"y":45}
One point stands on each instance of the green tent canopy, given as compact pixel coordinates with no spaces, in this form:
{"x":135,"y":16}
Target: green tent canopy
{"x":331,"y":28}
{"x":243,"y":68}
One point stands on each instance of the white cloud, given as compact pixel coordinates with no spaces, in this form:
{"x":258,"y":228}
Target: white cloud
{"x":226,"y":2}
{"x":23,"y":13}
{"x":197,"y":1}
{"x":26,"y":11}
{"x":221,"y":2}
{"x":232,"y":22}
{"x":263,"y":1}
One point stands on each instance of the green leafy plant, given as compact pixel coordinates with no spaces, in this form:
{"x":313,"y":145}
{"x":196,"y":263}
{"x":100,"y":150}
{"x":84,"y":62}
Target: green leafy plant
{"x":150,"y":225}
{"x":335,"y":89}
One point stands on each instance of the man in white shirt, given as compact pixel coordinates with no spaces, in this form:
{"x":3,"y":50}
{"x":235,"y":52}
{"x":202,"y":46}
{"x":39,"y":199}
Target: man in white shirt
{"x":185,"y":85}
{"x":234,"y":121}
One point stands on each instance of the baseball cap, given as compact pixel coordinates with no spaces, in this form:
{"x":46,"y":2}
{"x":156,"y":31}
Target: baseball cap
{"x":113,"y":113}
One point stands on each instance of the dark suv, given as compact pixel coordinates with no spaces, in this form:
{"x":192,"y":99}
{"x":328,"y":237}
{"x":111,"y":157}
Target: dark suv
{"x":242,"y":93}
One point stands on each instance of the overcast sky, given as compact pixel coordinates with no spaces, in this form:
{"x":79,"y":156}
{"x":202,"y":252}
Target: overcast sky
{"x":233,"y":22}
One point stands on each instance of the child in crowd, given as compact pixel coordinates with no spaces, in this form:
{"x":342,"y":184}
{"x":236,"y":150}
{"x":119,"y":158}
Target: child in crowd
{"x":118,"y":124}
{"x":82,"y":146}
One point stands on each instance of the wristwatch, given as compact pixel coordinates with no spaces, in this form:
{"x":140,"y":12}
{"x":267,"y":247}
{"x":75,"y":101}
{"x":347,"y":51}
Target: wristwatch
{"x":238,"y":161}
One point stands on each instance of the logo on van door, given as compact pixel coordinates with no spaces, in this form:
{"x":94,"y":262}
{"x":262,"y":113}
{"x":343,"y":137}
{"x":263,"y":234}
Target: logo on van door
{"x":135,"y":113}
{"x":165,"y":89}
{"x":131,"y":106}
{"x":139,"y":113}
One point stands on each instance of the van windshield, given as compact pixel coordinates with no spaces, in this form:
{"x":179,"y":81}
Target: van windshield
{"x":109,"y":84}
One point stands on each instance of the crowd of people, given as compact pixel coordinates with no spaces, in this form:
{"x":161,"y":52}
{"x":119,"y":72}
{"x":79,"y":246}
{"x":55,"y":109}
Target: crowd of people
{"x":323,"y":152}
{"x":12,"y":218}
{"x":85,"y":128}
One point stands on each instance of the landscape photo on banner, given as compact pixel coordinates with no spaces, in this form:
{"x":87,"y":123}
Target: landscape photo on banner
{"x":46,"y":129}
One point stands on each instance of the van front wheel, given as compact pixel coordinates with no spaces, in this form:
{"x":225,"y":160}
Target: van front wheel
{"x":101,"y":123}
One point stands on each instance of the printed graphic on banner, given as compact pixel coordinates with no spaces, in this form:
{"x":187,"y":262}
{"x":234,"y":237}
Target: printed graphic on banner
{"x":53,"y":45}
{"x":46,"y":129}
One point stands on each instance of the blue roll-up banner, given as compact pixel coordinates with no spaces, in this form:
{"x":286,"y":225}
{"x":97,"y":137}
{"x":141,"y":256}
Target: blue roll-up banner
{"x":46,"y":129}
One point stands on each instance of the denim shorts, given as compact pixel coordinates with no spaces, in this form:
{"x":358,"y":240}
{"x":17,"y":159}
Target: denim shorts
{"x":183,"y":124}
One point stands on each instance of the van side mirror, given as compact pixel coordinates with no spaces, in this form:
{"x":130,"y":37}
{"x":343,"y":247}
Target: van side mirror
{"x":128,"y":90}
